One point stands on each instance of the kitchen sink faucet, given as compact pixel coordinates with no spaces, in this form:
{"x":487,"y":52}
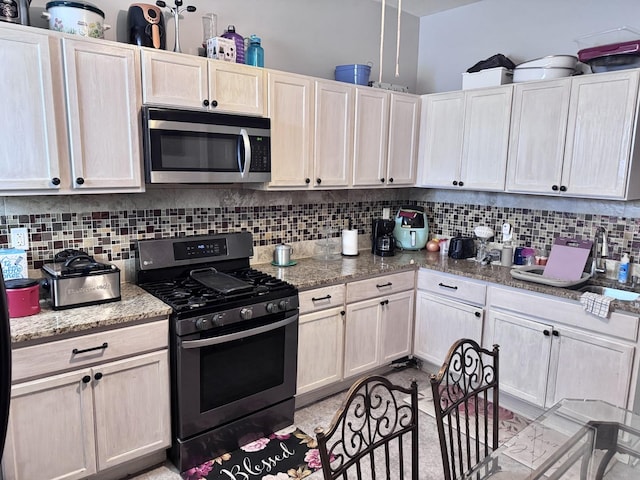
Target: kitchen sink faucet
{"x":599,"y":252}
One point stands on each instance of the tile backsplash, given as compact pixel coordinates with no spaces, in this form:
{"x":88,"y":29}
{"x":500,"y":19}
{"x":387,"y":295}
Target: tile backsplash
{"x":109,"y":226}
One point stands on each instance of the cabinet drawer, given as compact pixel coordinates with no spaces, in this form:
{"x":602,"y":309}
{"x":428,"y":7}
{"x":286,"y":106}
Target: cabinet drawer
{"x":383,"y":285}
{"x":452,"y":286}
{"x":321,"y":298}
{"x":559,"y":311}
{"x":57,"y":356}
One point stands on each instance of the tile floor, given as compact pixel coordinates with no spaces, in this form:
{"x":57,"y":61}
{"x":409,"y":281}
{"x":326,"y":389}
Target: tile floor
{"x":319,"y":414}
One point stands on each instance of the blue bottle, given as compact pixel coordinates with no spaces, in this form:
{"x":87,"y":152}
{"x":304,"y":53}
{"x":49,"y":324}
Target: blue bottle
{"x":255,"y":53}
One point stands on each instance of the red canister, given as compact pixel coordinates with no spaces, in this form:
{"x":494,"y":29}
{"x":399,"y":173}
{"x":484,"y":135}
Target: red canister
{"x":23,"y":297}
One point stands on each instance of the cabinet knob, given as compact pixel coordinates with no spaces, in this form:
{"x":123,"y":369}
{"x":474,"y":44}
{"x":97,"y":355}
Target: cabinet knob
{"x":307,"y":180}
{"x":97,"y":376}
{"x":318,"y":181}
{"x":79,"y":180}
{"x":214,"y":103}
{"x":382,"y":180}
{"x":554,"y":188}
{"x":86,"y":379}
{"x":343,"y":313}
{"x":205,"y":102}
{"x":391,"y":180}
{"x":55,"y":181}
{"x":563,"y":188}
{"x":478,"y":314}
{"x":384,"y":302}
{"x":455,"y":183}
{"x":546,"y":332}
{"x":461,"y":183}
{"x":556,"y":333}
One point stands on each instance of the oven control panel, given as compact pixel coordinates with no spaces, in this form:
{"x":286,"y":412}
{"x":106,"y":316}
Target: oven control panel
{"x":212,"y":247}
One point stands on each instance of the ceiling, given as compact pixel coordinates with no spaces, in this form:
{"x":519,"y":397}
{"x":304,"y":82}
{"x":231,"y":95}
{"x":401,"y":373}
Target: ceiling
{"x":421,"y":8}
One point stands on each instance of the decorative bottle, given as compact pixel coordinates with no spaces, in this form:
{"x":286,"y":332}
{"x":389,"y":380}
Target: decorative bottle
{"x":231,"y":33}
{"x":255,"y":53}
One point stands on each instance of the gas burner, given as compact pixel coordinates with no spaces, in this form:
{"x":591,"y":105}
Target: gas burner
{"x":179,"y":293}
{"x":197,"y":302}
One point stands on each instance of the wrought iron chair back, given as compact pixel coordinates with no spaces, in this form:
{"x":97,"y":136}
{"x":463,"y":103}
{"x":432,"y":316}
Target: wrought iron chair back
{"x":465,"y":399}
{"x":374,"y":435}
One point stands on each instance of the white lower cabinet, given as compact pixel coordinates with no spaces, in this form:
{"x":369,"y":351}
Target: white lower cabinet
{"x":378,"y":330}
{"x":544,"y":357}
{"x":74,"y":424}
{"x":448,"y":308}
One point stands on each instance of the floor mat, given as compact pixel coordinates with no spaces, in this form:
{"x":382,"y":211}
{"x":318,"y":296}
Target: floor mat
{"x":288,"y":453}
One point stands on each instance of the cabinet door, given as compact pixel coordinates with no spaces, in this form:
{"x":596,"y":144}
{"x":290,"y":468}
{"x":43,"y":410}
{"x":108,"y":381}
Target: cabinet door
{"x":440,"y":323}
{"x":290,"y":108}
{"x":599,"y":134}
{"x":174,"y":79}
{"x":51,"y":429}
{"x":440,"y":152}
{"x":404,"y":118}
{"x":362,"y":337}
{"x":587,"y":366}
{"x":333,"y":138}
{"x":131,"y":408}
{"x":103,"y":91}
{"x":396,"y":326}
{"x":538,"y":132}
{"x":236,"y":88}
{"x":525,"y":348}
{"x":29,"y":155}
{"x":370,"y":137}
{"x":320,"y":347}
{"x":487,"y":115}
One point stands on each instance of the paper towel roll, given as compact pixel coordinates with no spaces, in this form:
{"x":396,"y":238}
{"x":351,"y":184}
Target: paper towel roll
{"x":349,"y":242}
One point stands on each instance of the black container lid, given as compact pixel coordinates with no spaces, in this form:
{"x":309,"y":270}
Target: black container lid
{"x":83,"y":5}
{"x":16,"y":283}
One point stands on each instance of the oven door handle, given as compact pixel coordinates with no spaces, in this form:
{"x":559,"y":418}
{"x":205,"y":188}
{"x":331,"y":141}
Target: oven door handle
{"x":237,"y":336}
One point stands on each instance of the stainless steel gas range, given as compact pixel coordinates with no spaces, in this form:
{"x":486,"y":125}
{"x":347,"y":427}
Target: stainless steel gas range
{"x":234,"y":340}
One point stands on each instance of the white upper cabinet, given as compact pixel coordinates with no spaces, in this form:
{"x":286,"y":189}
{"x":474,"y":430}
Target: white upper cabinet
{"x":188,"y":81}
{"x":600,"y":135}
{"x":464,"y":139}
{"x":402,"y":156}
{"x":290,"y":108}
{"x":70,"y":98}
{"x":538,"y":132}
{"x":371,"y":130}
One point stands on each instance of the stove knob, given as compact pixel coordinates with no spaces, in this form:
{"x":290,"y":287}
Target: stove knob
{"x":246,"y":313}
{"x":282,"y":305}
{"x":272,"y":308}
{"x":202,"y":323}
{"x":215,"y":321}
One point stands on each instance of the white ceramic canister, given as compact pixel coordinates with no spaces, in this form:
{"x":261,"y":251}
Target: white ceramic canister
{"x":78,"y":18}
{"x":282,"y":254}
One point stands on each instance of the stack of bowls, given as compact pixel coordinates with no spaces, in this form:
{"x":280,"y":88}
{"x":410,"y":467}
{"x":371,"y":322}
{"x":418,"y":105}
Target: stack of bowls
{"x":545,"y":68}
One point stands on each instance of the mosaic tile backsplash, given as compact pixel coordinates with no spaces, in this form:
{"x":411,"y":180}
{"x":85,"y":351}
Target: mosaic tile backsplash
{"x":111,"y":235}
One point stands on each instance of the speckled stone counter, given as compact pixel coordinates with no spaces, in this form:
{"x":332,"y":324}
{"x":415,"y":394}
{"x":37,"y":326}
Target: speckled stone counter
{"x":136,"y":306}
{"x":313,"y":272}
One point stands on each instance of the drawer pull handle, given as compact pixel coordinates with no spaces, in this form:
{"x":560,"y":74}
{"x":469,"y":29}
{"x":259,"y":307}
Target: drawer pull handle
{"x":388,"y":284}
{"x":314,"y":299}
{"x":75,"y":351}
{"x":452,"y":287}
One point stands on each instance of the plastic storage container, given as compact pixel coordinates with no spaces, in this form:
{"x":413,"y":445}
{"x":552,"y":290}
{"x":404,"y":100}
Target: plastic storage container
{"x":353,"y":73}
{"x":488,"y":77}
{"x":231,"y":33}
{"x":255,"y":53}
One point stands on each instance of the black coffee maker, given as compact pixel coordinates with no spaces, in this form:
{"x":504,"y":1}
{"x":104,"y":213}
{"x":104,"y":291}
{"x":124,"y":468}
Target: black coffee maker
{"x":146,"y":26}
{"x":382,"y":242}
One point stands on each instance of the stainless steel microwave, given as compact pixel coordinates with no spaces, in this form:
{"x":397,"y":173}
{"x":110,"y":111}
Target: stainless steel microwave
{"x":184,"y":146}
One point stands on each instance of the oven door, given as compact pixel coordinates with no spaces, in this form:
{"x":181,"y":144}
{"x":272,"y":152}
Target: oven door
{"x":222,"y":378}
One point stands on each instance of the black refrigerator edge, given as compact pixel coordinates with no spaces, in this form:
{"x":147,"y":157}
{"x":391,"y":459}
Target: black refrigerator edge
{"x":5,"y":365}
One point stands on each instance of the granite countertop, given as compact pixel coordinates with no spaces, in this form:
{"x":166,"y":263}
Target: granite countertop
{"x":139,"y":306}
{"x":136,"y":306}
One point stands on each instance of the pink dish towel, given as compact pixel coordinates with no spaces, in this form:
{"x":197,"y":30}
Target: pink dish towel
{"x":596,"y":304}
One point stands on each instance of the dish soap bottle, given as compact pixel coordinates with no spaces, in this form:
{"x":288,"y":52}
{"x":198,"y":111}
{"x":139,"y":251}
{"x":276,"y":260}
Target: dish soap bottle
{"x":623,"y":270}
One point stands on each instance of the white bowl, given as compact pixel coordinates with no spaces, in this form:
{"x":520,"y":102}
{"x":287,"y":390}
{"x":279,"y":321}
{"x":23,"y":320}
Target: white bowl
{"x":540,"y":73}
{"x":552,"y":61}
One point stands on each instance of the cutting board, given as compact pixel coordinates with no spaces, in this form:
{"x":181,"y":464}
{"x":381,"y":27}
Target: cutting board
{"x":567,"y":259}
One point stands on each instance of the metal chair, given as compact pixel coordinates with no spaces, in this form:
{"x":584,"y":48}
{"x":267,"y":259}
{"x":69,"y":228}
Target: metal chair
{"x":465,"y":399}
{"x":375,"y":433}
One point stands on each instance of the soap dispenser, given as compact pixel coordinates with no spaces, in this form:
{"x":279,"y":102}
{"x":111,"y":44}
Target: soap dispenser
{"x":623,"y":269}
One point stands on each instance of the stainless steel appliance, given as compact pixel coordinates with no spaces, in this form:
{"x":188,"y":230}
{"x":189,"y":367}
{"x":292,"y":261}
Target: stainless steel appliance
{"x":233,"y":342}
{"x":75,"y":279}
{"x":383,"y":243}
{"x":15,"y":11}
{"x":5,"y":366}
{"x":184,"y":146}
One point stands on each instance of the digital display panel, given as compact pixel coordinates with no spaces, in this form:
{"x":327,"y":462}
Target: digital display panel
{"x":200,"y":249}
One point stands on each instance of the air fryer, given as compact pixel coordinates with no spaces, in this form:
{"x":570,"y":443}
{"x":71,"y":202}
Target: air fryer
{"x":146,"y":26}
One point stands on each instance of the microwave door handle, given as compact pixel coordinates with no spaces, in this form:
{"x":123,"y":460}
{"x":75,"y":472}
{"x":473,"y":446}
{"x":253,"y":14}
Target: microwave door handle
{"x":247,"y":153}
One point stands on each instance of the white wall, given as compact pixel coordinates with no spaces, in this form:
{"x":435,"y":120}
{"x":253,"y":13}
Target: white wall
{"x":454,"y":40}
{"x":309,"y":37}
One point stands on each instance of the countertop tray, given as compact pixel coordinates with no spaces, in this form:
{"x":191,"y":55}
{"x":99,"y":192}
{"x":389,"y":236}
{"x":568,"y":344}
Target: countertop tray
{"x":533,"y":273}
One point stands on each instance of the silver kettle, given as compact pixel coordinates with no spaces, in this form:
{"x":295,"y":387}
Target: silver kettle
{"x":15,"y":11}
{"x":282,"y":255}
